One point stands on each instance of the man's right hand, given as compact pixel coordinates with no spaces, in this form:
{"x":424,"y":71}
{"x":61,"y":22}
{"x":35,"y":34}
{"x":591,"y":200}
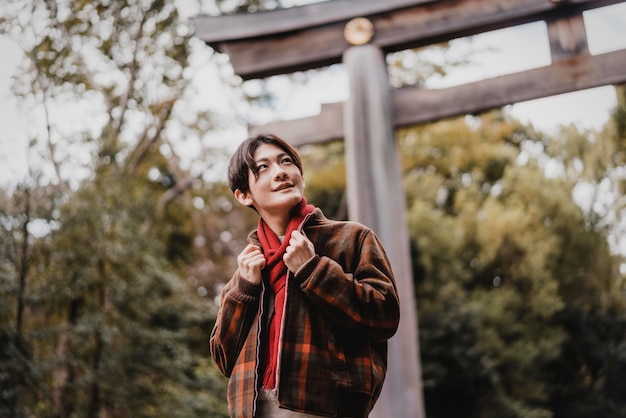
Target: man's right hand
{"x":251,"y":261}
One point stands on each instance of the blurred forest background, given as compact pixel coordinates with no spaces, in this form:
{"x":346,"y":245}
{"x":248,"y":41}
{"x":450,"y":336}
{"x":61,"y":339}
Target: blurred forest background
{"x":114,"y":247}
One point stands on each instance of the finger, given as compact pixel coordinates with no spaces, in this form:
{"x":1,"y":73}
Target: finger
{"x":250,"y":253}
{"x":259,"y":263}
{"x":244,"y":253}
{"x":250,"y":248}
{"x":296,"y":238}
{"x":253,"y":258}
{"x":256,"y":258}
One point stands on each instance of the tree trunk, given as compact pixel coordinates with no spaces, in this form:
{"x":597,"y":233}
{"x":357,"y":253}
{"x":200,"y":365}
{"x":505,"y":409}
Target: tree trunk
{"x":63,"y":375}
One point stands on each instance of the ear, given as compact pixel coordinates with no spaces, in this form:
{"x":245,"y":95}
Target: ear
{"x":243,"y":197}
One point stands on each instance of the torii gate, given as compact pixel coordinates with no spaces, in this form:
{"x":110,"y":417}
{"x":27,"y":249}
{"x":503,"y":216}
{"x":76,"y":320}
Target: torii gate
{"x":359,"y":32}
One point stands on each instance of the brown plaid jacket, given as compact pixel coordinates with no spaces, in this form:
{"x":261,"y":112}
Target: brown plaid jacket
{"x":340,"y":310}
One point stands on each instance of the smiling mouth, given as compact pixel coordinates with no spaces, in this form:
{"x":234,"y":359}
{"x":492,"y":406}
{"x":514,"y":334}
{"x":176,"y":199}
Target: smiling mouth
{"x":283,"y":187}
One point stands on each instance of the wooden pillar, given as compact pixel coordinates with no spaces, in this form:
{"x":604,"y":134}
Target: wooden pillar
{"x":568,"y":37}
{"x":376,"y":199}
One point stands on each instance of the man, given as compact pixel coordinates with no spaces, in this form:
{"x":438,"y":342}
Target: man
{"x":303,"y":324}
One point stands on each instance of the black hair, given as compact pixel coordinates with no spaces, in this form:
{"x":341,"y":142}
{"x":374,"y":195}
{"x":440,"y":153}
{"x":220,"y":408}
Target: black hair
{"x":242,"y":162}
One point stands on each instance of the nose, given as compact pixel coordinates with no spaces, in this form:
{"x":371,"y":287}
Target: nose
{"x":279,"y":172}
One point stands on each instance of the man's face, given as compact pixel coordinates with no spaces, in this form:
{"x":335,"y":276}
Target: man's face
{"x":278,"y":186}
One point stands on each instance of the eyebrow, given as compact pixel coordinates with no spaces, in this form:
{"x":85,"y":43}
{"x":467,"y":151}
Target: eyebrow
{"x":278,"y":156}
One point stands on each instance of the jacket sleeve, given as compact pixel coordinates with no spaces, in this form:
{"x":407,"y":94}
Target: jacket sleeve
{"x":362,"y":297}
{"x":239,"y":304}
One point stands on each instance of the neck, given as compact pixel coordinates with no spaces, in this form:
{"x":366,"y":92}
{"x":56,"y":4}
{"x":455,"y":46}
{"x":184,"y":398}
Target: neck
{"x":278,"y":222}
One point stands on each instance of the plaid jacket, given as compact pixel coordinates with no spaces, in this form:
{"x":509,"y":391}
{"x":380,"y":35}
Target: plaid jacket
{"x":340,"y":310}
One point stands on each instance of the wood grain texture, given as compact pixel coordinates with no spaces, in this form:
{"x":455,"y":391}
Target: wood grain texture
{"x":424,"y":23}
{"x":413,"y":105}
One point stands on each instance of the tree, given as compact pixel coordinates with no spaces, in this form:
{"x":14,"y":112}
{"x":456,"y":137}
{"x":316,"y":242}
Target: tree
{"x":100,"y":317}
{"x":22,"y":215}
{"x":124,"y":318}
{"x":593,"y":363}
{"x":504,"y":264}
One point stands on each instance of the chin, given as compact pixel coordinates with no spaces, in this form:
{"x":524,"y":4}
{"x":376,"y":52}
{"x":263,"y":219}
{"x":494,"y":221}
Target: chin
{"x":296,"y":199}
{"x":293,"y":200}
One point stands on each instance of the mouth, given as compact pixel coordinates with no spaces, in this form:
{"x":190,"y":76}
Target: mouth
{"x":283,"y":186}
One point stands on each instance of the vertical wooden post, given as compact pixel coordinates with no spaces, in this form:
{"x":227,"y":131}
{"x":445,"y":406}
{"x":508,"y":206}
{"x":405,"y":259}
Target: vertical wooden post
{"x":376,"y":198}
{"x":568,"y":37}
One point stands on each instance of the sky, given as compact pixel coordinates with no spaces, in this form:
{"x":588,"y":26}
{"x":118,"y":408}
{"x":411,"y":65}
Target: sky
{"x":501,"y":52}
{"x":10,"y":142}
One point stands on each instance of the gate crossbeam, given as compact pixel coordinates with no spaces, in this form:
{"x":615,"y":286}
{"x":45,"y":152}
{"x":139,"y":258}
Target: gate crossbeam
{"x":414,"y":105}
{"x":283,"y":41}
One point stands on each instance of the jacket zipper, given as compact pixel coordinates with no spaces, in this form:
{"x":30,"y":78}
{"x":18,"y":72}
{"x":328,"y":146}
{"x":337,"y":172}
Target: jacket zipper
{"x":258,"y":349}
{"x":280,"y":335}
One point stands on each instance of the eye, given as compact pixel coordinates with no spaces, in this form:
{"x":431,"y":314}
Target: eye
{"x":286,"y":160}
{"x":261,"y":166}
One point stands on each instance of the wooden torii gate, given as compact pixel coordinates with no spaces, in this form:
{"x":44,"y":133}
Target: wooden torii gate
{"x":359,"y":33}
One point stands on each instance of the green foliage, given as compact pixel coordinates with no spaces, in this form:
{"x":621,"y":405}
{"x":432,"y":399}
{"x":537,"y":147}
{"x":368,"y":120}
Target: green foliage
{"x":111,"y":324}
{"x":103,"y":278}
{"x":325,"y":175}
{"x":511,"y":281}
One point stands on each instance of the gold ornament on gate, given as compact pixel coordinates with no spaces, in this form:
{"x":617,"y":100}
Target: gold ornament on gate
{"x":358,"y":31}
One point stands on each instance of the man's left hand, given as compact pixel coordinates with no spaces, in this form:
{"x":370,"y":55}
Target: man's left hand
{"x":299,"y":251}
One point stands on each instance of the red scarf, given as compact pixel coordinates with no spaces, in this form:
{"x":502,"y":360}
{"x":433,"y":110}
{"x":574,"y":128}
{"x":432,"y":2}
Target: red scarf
{"x":275,"y":272}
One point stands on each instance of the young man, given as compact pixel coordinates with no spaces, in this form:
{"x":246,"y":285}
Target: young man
{"x":303,"y":324}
